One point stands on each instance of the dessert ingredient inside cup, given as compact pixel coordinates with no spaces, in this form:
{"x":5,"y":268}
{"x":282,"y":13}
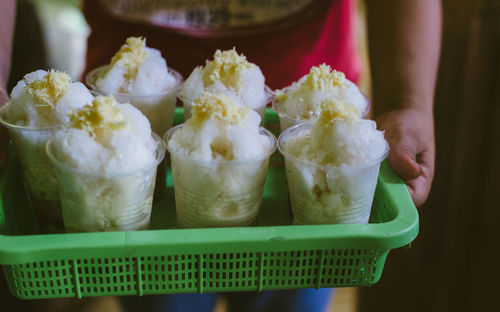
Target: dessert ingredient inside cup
{"x":219,"y":163}
{"x":302,"y":99}
{"x":106,"y":137}
{"x":115,"y":156}
{"x":135,"y":69}
{"x":339,"y":138}
{"x":228,"y":73}
{"x":44,"y":99}
{"x":332,"y":165}
{"x":220,"y":130}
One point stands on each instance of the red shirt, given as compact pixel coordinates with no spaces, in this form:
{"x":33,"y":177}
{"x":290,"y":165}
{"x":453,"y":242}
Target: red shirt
{"x":284,"y":48}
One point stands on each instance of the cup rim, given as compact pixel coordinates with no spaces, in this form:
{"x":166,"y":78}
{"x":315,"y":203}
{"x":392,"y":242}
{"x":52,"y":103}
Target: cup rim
{"x":308,"y":125}
{"x":10,"y":125}
{"x":90,"y":83}
{"x":159,"y":158}
{"x":267,"y":90}
{"x":276,"y":105}
{"x":170,"y":132}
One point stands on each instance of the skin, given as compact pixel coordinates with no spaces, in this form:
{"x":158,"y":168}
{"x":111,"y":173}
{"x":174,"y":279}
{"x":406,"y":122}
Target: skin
{"x":404,"y":42}
{"x":7,"y":15}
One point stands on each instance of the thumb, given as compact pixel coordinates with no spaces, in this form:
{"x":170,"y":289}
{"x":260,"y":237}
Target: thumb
{"x":403,"y":161}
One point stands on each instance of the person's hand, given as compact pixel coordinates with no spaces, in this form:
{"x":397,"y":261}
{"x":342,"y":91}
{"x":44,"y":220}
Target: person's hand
{"x":4,"y":136}
{"x":410,"y":133}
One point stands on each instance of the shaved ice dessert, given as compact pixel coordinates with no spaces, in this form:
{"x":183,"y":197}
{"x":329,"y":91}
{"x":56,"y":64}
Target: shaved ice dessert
{"x":231,"y":74}
{"x":301,"y":101}
{"x":139,"y":75}
{"x":39,"y":104}
{"x":106,"y":160}
{"x":332,"y":166}
{"x":219,"y":163}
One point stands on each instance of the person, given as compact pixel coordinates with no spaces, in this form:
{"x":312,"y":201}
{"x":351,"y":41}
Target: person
{"x":286,"y":38}
{"x":7,"y":16}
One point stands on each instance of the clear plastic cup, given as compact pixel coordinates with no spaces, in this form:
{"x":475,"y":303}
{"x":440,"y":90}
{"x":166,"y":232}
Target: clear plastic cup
{"x":322,"y":194}
{"x":218,"y":193}
{"x":287,"y":121}
{"x":94,"y":202}
{"x":38,"y":172}
{"x":259,"y":108}
{"x":159,"y":108}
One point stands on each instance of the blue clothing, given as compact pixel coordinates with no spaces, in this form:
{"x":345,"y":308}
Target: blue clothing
{"x":295,"y":300}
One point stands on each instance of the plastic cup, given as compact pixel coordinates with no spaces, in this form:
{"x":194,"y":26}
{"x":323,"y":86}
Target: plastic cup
{"x":287,"y":121}
{"x":259,"y":108}
{"x":218,"y":193}
{"x":322,"y":194}
{"x":94,"y":202}
{"x":159,"y":108}
{"x":38,"y":172}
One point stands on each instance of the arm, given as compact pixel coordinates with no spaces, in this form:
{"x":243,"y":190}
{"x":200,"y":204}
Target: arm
{"x":404,"y":42}
{"x":7,"y":16}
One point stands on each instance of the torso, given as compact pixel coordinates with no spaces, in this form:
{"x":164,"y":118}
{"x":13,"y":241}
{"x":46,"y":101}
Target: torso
{"x":283,"y":37}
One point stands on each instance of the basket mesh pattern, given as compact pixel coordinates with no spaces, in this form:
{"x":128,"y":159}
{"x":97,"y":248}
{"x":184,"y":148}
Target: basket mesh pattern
{"x":43,"y":279}
{"x":104,"y":276}
{"x":218,"y":272}
{"x":222,"y":272}
{"x":169,"y":274}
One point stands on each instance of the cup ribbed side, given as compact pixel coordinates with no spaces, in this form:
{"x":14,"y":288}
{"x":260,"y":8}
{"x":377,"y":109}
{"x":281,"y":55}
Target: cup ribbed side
{"x":219,"y":194}
{"x":126,"y":217}
{"x":196,"y":209}
{"x":331,"y":195}
{"x":39,"y":176}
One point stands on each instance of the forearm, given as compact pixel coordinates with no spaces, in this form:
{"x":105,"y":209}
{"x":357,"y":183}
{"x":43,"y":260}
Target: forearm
{"x":404,"y":43}
{"x":7,"y":16}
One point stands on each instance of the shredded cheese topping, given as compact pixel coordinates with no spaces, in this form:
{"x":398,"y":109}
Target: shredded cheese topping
{"x":48,"y":90}
{"x":333,"y":110}
{"x":322,"y":77}
{"x":102,"y":115}
{"x":217,"y":106}
{"x":130,"y":56}
{"x":227,"y":68}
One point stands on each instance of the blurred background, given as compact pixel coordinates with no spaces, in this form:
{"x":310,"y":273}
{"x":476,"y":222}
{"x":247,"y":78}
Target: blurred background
{"x":57,"y":30}
{"x":451,"y":266}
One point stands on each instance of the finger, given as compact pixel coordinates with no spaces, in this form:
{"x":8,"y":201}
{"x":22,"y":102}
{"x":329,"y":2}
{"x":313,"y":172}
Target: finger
{"x":426,"y":160}
{"x":418,"y":189}
{"x":403,"y":161}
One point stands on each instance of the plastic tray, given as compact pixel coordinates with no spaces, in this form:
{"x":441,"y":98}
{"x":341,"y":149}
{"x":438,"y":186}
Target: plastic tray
{"x":164,"y":260}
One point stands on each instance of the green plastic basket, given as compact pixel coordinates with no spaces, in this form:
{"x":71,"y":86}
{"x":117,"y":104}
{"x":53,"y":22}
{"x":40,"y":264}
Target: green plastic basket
{"x":166,"y":260}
